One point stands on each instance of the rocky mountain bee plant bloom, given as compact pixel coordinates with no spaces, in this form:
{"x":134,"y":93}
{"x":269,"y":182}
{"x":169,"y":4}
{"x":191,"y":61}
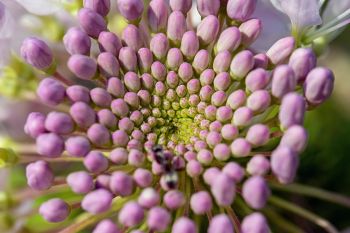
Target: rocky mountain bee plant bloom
{"x":174,"y":124}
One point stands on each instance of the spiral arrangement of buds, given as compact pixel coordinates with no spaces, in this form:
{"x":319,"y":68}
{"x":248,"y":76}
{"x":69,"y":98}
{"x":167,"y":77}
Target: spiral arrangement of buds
{"x":178,"y":122}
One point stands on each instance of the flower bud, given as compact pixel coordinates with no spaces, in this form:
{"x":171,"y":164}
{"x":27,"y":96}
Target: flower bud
{"x":97,"y":201}
{"x":184,"y":224}
{"x":101,"y":7}
{"x":157,"y":15}
{"x":91,"y":22}
{"x":261,"y":61}
{"x":39,"y":175}
{"x":208,"y":29}
{"x":258,"y":165}
{"x":131,"y":214}
{"x":77,"y":41}
{"x":234,"y":171}
{"x":132,"y":37}
{"x":49,"y":145}
{"x":295,"y":138}
{"x":145,"y":59}
{"x":149,"y":198}
{"x":181,"y":5}
{"x":158,"y":219}
{"x":222,"y":62}
{"x":240,"y":10}
{"x":236,"y":99}
{"x":240,"y":147}
{"x":115,"y":87}
{"x":108,"y":65}
{"x":96,"y":162}
{"x":121,"y":184}
{"x":254,"y":222}
{"x":128,"y":59}
{"x":109,"y":42}
{"x":77,"y":146}
{"x":174,"y":199}
{"x":257,"y":79}
{"x":80,"y":182}
{"x":208,"y":7}
{"x":159,"y":45}
{"x":174,"y":58}
{"x":201,"y":61}
{"x":283,"y":81}
{"x":176,"y":26}
{"x":130,"y":9}
{"x":284,"y":164}
{"x":223,"y":190}
{"x":106,"y":226}
{"x":292,"y":110}
{"x":36,"y":53}
{"x":82,"y":114}
{"x":189,"y":44}
{"x":302,"y":61}
{"x":99,"y":135}
{"x":58,"y":122}
{"x":250,"y":31}
{"x":255,"y":192}
{"x":82,"y":66}
{"x":120,"y":138}
{"x":35,"y":124}
{"x":281,"y":50}
{"x":259,"y":100}
{"x":241,"y":64}
{"x":318,"y":85}
{"x":242,"y":116}
{"x":258,"y":135}
{"x":54,"y":210}
{"x":220,"y":224}
{"x":100,"y":97}
{"x":229,"y":40}
{"x":201,"y":202}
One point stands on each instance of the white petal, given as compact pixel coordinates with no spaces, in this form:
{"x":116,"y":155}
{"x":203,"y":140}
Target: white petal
{"x":41,"y":7}
{"x":302,"y":13}
{"x":334,"y":9}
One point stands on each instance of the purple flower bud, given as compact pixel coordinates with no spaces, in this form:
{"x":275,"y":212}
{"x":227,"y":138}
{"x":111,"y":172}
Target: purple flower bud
{"x":250,"y":31}
{"x":35,"y":124}
{"x":201,"y":62}
{"x":49,"y":145}
{"x":82,"y":66}
{"x":102,"y":182}
{"x":131,"y":9}
{"x":240,"y":147}
{"x":80,"y":182}
{"x":283,"y":81}
{"x":120,"y":138}
{"x":253,"y":223}
{"x":223,"y":190}
{"x":222,"y":61}
{"x":158,"y":219}
{"x":142,"y":177}
{"x":100,"y":6}
{"x":96,"y":162}
{"x":184,"y":225}
{"x":258,"y":165}
{"x":208,"y":7}
{"x":229,"y":40}
{"x":259,"y":100}
{"x":236,"y":99}
{"x":108,"y":65}
{"x":302,"y":61}
{"x":242,"y":116}
{"x":149,"y":198}
{"x":181,"y":5}
{"x":292,"y":110}
{"x":241,"y":64}
{"x":281,"y":50}
{"x":176,"y":26}
{"x":261,"y":61}
{"x":83,"y":115}
{"x":128,"y":59}
{"x":115,"y":87}
{"x":39,"y":175}
{"x":120,"y":107}
{"x":100,"y":97}
{"x":258,"y":135}
{"x":132,"y":37}
{"x":119,"y":156}
{"x":159,"y":45}
{"x":107,"y":226}
{"x":208,"y":29}
{"x":77,"y":146}
{"x":318,"y":85}
{"x":229,"y":132}
{"x":121,"y":184}
{"x":131,"y":214}
{"x":77,"y":41}
{"x":107,"y":118}
{"x":99,"y":135}
{"x":284,"y":164}
{"x":157,"y":15}
{"x":50,"y":91}
{"x":194,"y":168}
{"x":109,"y":42}
{"x":54,"y":210}
{"x":234,"y":171}
{"x":174,"y":199}
{"x":36,"y":53}
{"x":91,"y":22}
{"x":240,"y":10}
{"x":59,"y":122}
{"x":295,"y":138}
{"x":145,"y":59}
{"x":210,"y":175}
{"x":220,"y":224}
{"x":189,"y":44}
{"x":257,"y":79}
{"x":97,"y":201}
{"x":201,"y":202}
{"x":77,"y":93}
{"x":255,"y":192}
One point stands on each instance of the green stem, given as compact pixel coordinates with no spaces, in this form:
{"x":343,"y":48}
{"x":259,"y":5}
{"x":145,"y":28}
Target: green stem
{"x":326,"y":225}
{"x":280,"y":222}
{"x":313,"y":192}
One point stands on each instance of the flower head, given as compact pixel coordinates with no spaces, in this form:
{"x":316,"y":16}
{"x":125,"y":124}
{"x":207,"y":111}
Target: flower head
{"x":173,"y":119}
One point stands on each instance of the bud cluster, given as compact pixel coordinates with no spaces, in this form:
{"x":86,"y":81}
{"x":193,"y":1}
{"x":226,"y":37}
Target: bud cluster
{"x":178,"y":120}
